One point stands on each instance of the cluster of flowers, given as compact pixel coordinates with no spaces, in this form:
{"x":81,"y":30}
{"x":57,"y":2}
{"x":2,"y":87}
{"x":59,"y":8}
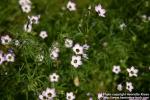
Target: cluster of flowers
{"x":9,"y":56}
{"x":71,"y":6}
{"x":54,"y":51}
{"x":80,"y":52}
{"x":50,"y":93}
{"x":25,"y":5}
{"x":40,"y":56}
{"x":32,"y":20}
{"x":131,"y":71}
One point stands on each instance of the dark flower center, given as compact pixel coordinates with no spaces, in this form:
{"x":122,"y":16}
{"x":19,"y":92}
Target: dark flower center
{"x":49,"y":94}
{"x":44,"y":97}
{"x":54,"y":77}
{"x":75,"y":61}
{"x":69,"y":97}
{"x":70,"y":7}
{"x":6,"y":40}
{"x":132,"y":72}
{"x":9,"y":57}
{"x":77,"y":50}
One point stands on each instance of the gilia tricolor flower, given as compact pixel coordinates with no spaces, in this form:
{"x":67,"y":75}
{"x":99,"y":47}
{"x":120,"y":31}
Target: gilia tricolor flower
{"x":119,"y":87}
{"x":10,"y":57}
{"x":76,"y":61}
{"x":100,"y":96}
{"x":71,"y":6}
{"x":25,"y":5}
{"x":101,"y":12}
{"x":54,"y":53}
{"x":129,"y":86}
{"x":5,"y":40}
{"x":34,"y":19}
{"x":26,"y":8}
{"x":132,"y":71}
{"x":68,"y":43}
{"x":116,"y":69}
{"x":54,"y":77}
{"x":49,"y":94}
{"x":70,"y":96}
{"x":28,"y":27}
{"x":40,"y":58}
{"x":43,"y":34}
{"x":78,"y":49}
{"x":43,"y":96}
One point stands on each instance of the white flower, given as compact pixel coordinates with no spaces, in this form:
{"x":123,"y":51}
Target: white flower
{"x":43,"y":96}
{"x":101,"y":12}
{"x":43,"y":34}
{"x":26,"y":8}
{"x":5,"y":40}
{"x":40,"y":58}
{"x":76,"y":61}
{"x":54,"y":77}
{"x":122,"y":26}
{"x":132,"y":71}
{"x":129,"y":86}
{"x":54,"y":55}
{"x":78,"y":49}
{"x":16,"y":42}
{"x":10,"y":57}
{"x":1,"y":59}
{"x":50,"y":93}
{"x":86,"y":47}
{"x":116,"y":69}
{"x":119,"y":87}
{"x":70,"y":96}
{"x":34,"y":19}
{"x":28,"y":27}
{"x":100,"y":96}
{"x":68,"y":43}
{"x":71,"y":6}
{"x":24,"y":2}
{"x":54,"y":52}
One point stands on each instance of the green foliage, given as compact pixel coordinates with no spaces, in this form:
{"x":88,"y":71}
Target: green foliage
{"x":109,"y":45}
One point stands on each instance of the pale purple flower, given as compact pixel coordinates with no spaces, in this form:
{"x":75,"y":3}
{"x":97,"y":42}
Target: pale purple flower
{"x":101,"y":12}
